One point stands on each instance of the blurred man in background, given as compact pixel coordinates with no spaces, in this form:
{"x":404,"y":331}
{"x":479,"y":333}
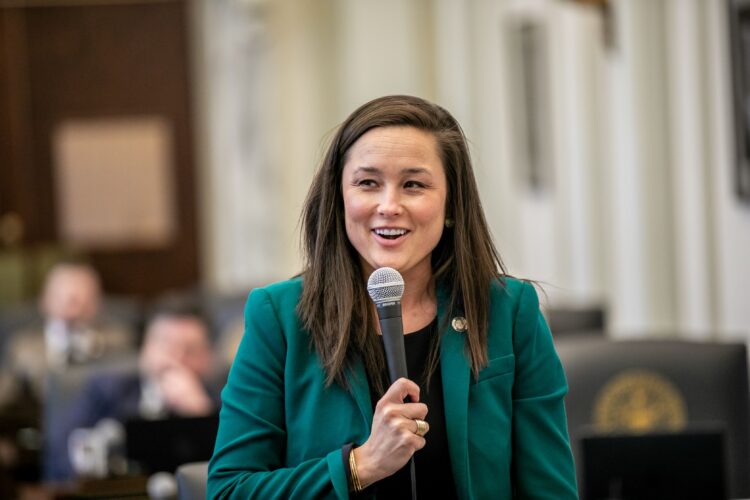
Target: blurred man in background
{"x":176,"y":377}
{"x":70,"y":331}
{"x":176,"y":364}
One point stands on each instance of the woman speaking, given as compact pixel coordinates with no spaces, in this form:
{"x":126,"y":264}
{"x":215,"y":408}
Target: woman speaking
{"x":308,"y":410}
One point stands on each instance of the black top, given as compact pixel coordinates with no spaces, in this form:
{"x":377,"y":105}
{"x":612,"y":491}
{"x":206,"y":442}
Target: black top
{"x":433,"y":470}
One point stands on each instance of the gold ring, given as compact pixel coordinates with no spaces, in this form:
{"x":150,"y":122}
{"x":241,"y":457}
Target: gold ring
{"x":422,"y":427}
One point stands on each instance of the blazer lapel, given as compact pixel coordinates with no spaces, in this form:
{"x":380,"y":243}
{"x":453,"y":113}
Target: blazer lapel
{"x":456,"y":373}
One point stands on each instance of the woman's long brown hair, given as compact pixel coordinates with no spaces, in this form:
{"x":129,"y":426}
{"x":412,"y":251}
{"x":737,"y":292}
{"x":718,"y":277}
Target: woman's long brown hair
{"x":334,"y":306}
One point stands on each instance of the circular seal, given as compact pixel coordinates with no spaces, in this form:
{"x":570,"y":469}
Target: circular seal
{"x":639,"y":401}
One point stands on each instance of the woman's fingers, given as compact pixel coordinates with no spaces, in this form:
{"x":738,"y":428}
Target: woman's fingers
{"x":409,"y":411}
{"x":402,"y":417}
{"x":392,"y":405}
{"x":395,"y":434}
{"x":400,"y":390}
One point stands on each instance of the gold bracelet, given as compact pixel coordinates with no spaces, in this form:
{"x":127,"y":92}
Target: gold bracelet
{"x":353,"y":469}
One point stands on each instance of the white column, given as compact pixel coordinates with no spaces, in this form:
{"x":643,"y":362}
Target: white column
{"x":304,"y":65}
{"x":453,"y":60}
{"x":240,"y":184}
{"x":385,"y":47}
{"x":492,"y":139}
{"x":691,"y":179}
{"x":576,"y":45}
{"x":640,"y":243}
{"x":731,"y":217}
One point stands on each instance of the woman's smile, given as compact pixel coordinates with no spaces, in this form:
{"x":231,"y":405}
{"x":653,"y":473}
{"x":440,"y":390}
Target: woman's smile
{"x":390,"y":236}
{"x":390,"y":233}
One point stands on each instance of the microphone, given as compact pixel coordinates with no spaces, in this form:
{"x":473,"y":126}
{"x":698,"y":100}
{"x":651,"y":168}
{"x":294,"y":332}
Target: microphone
{"x":386,"y":287}
{"x":162,"y":486}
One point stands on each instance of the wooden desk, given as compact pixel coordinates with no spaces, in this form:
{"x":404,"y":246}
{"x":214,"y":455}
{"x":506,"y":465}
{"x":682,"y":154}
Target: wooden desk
{"x":126,"y":487}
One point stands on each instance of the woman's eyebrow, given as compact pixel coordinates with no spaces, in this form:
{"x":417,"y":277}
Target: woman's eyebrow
{"x":415,"y":171}
{"x":366,"y":170}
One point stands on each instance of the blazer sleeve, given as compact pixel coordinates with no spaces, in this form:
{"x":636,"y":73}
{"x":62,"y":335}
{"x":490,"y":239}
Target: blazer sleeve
{"x":542,"y":459}
{"x":249,"y":455}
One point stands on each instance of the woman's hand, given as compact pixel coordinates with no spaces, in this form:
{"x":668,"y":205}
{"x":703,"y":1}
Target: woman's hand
{"x":393,"y":439}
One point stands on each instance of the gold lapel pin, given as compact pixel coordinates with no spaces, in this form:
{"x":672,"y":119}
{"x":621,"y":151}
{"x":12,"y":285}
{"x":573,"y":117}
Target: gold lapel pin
{"x":459,"y":323}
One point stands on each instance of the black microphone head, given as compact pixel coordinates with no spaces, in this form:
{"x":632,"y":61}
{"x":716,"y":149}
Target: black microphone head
{"x":385,"y":285}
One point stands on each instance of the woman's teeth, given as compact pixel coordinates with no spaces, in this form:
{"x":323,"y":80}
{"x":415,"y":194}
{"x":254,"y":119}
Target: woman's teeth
{"x":390,"y":233}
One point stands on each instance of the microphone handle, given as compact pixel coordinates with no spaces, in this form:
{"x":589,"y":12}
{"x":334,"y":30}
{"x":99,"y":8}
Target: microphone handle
{"x":392,"y":328}
{"x":395,"y":353}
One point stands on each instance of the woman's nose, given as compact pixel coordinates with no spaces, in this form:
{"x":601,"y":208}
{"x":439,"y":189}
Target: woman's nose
{"x":390,"y":203}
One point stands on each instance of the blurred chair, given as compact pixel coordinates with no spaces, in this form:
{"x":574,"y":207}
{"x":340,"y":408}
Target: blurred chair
{"x":660,"y":385}
{"x":191,"y":481}
{"x":566,"y":321}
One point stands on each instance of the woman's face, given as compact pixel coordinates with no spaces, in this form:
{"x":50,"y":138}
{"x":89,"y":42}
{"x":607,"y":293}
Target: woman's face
{"x":394,"y":191}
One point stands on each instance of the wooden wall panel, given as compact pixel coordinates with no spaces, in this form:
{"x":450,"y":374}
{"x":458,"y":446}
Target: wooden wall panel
{"x":98,"y":61}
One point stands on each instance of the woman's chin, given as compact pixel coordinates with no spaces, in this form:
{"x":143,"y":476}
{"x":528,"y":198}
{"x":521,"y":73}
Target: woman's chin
{"x":402,"y":265}
{"x":377,"y":265}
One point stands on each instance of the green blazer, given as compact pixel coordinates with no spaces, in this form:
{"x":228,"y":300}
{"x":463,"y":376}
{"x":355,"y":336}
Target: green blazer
{"x":281,"y":429}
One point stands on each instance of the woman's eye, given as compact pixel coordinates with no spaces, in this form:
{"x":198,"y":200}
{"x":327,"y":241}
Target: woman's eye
{"x":366,"y":183}
{"x":413,"y":185}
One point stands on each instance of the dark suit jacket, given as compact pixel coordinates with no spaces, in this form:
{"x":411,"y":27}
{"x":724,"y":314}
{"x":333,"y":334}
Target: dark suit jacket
{"x":113,"y":395}
{"x":281,"y":429}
